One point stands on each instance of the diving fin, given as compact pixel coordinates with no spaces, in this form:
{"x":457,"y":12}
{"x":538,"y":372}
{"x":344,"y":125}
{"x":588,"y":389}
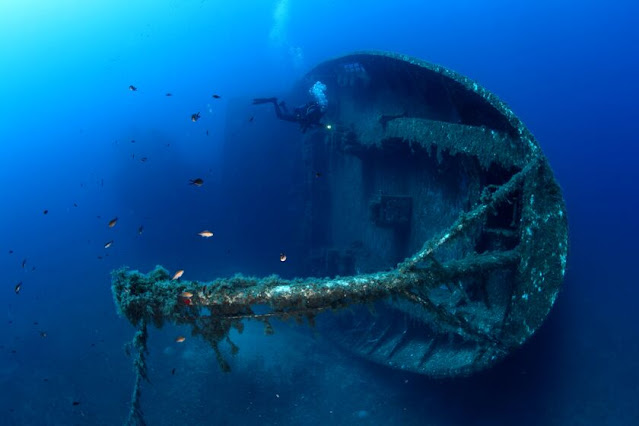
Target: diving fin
{"x":258,"y":101}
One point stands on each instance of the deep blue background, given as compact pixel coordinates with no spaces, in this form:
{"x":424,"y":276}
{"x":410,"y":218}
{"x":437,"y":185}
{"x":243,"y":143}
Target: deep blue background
{"x":569,"y":70}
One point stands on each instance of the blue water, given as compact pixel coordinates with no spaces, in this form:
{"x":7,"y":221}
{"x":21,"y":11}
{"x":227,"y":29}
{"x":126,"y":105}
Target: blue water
{"x":67,"y":121}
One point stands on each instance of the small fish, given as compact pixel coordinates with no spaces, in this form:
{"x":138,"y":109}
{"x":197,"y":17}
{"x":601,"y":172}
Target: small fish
{"x":216,"y":96}
{"x":186,"y":294}
{"x":45,"y":211}
{"x":205,"y":234}
{"x":318,"y":174}
{"x":187,"y":302}
{"x":195,"y":117}
{"x":24,"y":262}
{"x":112,"y":222}
{"x":180,"y":339}
{"x":109,"y":244}
{"x":133,"y":88}
{"x":197,"y":182}
{"x":132,"y":140}
{"x":143,"y":159}
{"x":168,"y":94}
{"x":75,"y":204}
{"x":251,"y":119}
{"x":10,"y":251}
{"x":100,"y":257}
{"x":282,"y":257}
{"x":43,"y":334}
{"x":173,"y":371}
{"x":18,"y":287}
{"x":178,"y":274}
{"x":76,"y":403}
{"x":140,"y":230}
{"x":207,"y":132}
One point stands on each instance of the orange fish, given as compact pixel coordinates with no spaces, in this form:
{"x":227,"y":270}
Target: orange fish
{"x":180,"y":339}
{"x":205,"y":234}
{"x":112,"y":222}
{"x":178,"y":274}
{"x":282,"y":257}
{"x":186,"y":294}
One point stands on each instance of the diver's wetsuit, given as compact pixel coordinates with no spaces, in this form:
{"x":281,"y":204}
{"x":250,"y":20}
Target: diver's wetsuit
{"x":308,"y":115}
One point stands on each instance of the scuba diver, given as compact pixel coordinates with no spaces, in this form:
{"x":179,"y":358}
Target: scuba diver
{"x":308,"y":115}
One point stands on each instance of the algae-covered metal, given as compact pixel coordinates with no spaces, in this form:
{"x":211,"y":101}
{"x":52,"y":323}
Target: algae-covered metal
{"x":413,"y":139}
{"x":437,"y":222}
